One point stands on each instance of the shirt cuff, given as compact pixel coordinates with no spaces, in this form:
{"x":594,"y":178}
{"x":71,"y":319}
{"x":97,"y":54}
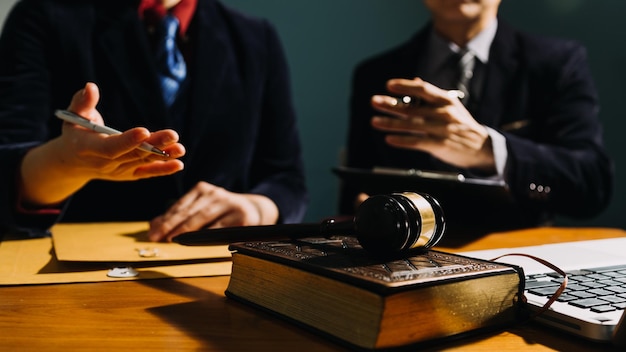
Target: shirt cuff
{"x":500,"y":153}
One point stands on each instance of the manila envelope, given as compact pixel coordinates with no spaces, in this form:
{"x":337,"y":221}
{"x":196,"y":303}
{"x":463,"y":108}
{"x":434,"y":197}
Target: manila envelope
{"x":91,"y":251}
{"x":123,"y":242}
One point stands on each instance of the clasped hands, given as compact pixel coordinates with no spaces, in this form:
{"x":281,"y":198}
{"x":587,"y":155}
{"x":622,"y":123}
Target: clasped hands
{"x":439,"y":124}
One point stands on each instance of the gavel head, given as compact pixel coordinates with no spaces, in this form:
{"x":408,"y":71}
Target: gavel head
{"x":399,"y":222}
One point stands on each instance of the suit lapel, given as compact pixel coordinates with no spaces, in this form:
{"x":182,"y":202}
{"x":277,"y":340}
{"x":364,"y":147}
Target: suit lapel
{"x":502,"y":77}
{"x":212,"y":71}
{"x":417,"y":55}
{"x":133,"y":64}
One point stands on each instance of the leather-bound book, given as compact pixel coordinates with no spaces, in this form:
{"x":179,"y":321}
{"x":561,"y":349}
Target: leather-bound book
{"x":334,"y":287}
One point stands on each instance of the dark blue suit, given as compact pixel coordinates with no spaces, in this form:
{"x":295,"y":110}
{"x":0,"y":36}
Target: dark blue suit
{"x":235,"y":116}
{"x":539,"y":94}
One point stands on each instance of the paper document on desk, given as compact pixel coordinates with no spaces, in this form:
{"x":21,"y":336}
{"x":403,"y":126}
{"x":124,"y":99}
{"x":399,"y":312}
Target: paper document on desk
{"x":566,"y":256}
{"x":128,"y":243}
{"x":32,"y":261}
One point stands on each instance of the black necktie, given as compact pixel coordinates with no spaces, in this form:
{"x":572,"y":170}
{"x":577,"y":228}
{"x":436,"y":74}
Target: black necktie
{"x":465,"y":71}
{"x":170,"y":61}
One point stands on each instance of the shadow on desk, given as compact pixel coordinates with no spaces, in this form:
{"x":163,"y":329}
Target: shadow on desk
{"x":530,"y":336}
{"x":224,"y":325}
{"x":218,"y":323}
{"x":536,"y":334}
{"x":221,"y":324}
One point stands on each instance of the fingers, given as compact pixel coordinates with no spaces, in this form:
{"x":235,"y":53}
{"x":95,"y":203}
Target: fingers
{"x":167,"y":140}
{"x":206,"y":205}
{"x":416,"y":133}
{"x":124,"y":146}
{"x":421,"y":108}
{"x":422,"y":91}
{"x":116,"y":157}
{"x":197,"y":208}
{"x":426,"y":118}
{"x":84,"y":102}
{"x":158,"y":168}
{"x":163,"y":138}
{"x":442,"y":106}
{"x":395,"y":106}
{"x":414,"y":125}
{"x":414,"y":142}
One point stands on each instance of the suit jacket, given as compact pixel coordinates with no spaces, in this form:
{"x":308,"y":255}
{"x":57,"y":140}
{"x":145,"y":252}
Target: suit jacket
{"x":238,"y":122}
{"x":538,"y":92}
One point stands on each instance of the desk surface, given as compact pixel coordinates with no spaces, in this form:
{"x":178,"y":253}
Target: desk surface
{"x":192,"y":314}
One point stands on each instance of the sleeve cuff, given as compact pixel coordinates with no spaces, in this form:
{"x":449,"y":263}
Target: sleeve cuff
{"x":500,"y":153}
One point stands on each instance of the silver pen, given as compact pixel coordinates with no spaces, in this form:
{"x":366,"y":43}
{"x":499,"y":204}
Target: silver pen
{"x":81,"y":121}
{"x":408,"y":100}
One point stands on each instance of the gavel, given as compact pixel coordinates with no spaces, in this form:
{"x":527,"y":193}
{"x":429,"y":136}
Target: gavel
{"x":383,"y":225}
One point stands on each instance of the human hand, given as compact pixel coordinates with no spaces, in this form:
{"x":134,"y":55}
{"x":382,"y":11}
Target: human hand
{"x":115,"y":157}
{"x":210,"y":206}
{"x":58,"y":168}
{"x":439,"y":124}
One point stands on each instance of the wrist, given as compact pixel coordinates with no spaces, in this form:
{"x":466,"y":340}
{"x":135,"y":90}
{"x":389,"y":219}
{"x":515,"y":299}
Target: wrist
{"x":486,"y":162}
{"x":45,"y":178}
{"x":266,"y":209}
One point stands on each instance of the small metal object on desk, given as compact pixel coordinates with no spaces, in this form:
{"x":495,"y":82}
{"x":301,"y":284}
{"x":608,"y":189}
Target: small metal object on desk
{"x":148,"y":252}
{"x":122,"y":271}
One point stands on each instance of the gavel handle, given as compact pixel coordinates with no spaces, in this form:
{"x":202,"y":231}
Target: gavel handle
{"x":263,"y":232}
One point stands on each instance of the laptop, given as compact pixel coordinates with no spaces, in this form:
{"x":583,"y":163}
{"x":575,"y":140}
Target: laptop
{"x":594,"y":301}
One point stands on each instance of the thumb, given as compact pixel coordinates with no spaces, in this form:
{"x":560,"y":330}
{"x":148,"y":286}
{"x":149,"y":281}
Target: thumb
{"x":85,"y":100}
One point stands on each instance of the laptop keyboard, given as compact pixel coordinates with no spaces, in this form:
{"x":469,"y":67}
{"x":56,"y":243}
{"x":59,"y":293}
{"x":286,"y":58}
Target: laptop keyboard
{"x":599,"y":290}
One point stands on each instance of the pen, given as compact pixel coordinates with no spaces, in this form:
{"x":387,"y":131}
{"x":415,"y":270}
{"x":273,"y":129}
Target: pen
{"x":407,"y":100}
{"x":455,"y":93}
{"x":81,"y":121}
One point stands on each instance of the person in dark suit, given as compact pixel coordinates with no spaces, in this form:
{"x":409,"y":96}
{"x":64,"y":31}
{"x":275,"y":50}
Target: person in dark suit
{"x":529,"y":116}
{"x":231,"y":132}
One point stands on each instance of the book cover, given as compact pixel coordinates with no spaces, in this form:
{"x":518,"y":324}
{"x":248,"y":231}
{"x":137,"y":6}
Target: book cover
{"x":334,"y":287}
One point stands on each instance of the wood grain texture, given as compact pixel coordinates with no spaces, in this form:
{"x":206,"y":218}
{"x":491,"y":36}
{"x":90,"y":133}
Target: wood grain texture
{"x":192,"y":314}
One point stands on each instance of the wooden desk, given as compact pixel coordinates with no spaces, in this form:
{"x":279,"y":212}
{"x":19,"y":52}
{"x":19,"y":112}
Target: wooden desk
{"x":192,"y":314}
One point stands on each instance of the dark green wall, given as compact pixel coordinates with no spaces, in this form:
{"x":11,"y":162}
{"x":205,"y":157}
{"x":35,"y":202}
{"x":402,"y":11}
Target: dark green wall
{"x":324,"y":40}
